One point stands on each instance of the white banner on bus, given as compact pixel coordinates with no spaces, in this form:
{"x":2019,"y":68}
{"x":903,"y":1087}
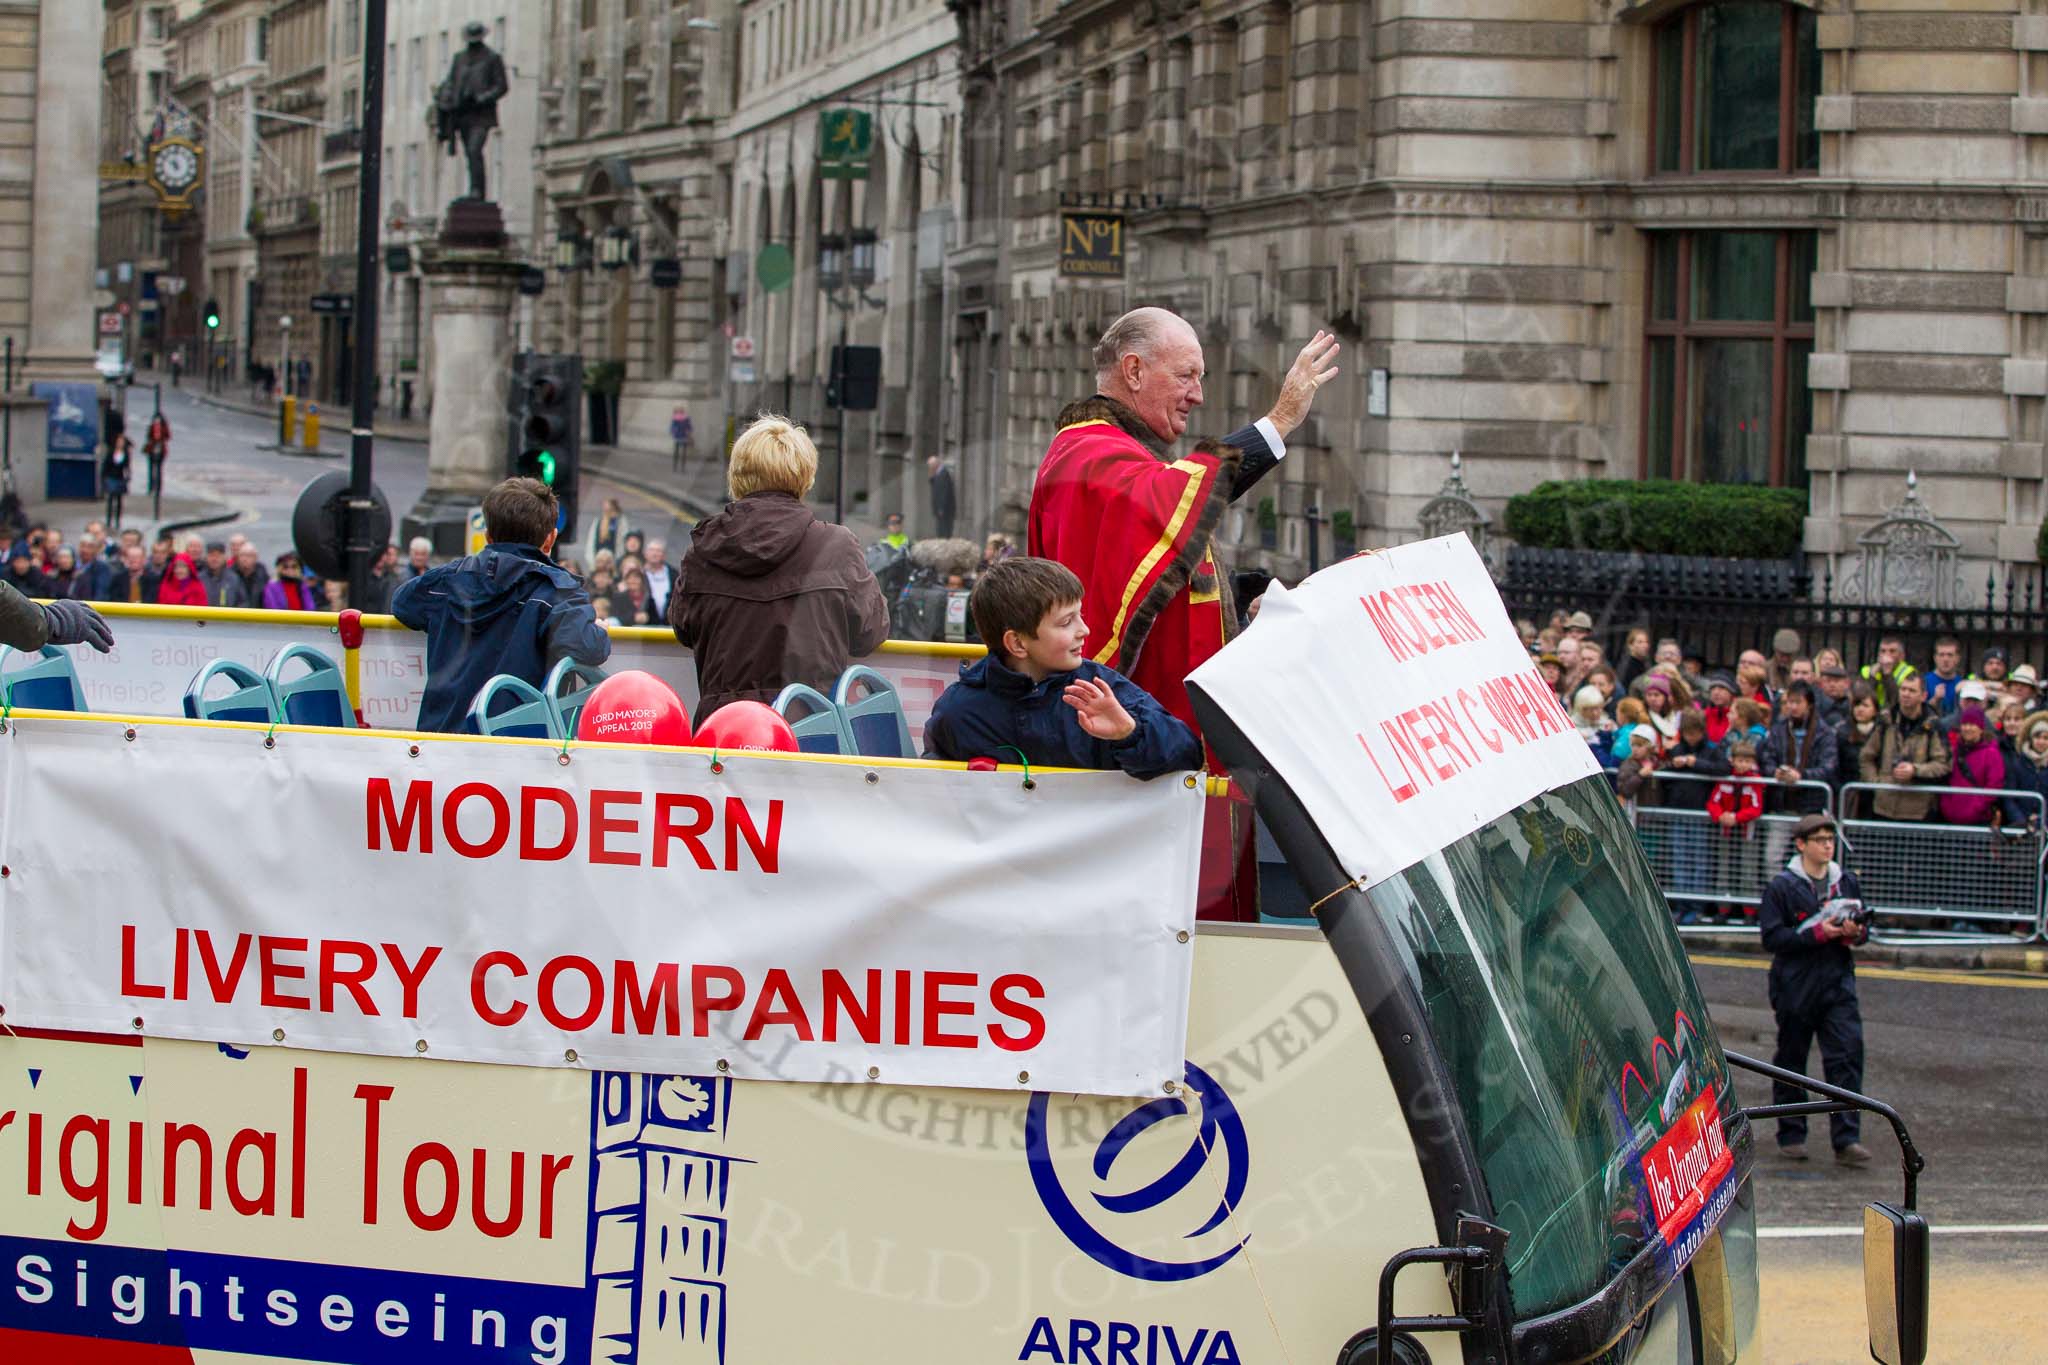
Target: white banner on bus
{"x":1392,"y":694}
{"x":630,"y":909}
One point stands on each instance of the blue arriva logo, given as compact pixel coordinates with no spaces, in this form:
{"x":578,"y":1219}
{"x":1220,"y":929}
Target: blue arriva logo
{"x":1218,"y":1137}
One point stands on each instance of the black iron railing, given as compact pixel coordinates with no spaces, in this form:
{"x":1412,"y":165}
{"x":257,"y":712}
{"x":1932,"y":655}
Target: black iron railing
{"x":1719,"y":607}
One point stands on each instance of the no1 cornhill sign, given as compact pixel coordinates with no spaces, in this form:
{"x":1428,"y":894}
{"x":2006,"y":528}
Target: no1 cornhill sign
{"x":1092,"y":244}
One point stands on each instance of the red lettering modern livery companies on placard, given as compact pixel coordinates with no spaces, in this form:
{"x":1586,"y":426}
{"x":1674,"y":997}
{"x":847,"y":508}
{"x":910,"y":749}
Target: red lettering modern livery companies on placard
{"x":477,"y":820}
{"x":1434,"y":741}
{"x":1399,"y":701}
{"x":1416,"y":618}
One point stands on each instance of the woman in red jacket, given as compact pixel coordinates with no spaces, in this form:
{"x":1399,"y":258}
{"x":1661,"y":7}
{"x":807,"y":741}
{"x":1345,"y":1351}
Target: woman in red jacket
{"x":181,"y":586}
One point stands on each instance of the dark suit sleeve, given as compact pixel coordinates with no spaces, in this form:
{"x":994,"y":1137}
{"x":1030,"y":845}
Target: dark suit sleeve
{"x":1258,"y":461}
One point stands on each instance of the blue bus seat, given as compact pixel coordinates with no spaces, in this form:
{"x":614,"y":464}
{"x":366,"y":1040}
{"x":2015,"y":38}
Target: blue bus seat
{"x":319,"y":696}
{"x":252,"y":698}
{"x":529,"y":716}
{"x":568,"y":686}
{"x":48,"y":684}
{"x":818,"y":726}
{"x":875,"y":720}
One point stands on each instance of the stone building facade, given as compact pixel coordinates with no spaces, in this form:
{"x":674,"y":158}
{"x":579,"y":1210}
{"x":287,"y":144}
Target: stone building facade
{"x":285,"y":220}
{"x":1802,"y":244}
{"x":340,"y":173}
{"x":692,"y":134}
{"x":49,"y":149}
{"x":628,"y":173}
{"x":133,"y":82}
{"x":218,"y":66}
{"x":894,"y":61}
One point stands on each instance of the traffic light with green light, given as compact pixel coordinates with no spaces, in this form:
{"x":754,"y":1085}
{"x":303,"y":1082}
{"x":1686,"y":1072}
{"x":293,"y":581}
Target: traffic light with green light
{"x":212,"y":315}
{"x":544,"y":429}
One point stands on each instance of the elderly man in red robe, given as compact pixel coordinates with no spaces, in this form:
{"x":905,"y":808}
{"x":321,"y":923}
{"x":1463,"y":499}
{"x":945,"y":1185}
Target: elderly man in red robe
{"x":1114,"y":505}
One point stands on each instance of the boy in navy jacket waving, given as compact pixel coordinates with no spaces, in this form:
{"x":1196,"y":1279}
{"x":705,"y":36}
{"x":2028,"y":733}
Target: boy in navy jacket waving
{"x":1038,"y":694}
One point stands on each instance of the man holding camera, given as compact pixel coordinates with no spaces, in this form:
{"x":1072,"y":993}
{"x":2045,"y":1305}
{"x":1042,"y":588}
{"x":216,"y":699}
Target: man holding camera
{"x":1812,"y":915}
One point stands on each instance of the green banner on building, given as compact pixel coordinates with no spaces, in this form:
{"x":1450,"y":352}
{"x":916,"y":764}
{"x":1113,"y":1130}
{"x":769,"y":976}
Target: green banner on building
{"x":846,"y":138}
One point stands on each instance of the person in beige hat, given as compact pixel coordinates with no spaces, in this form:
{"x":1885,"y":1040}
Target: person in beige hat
{"x":1778,"y":668}
{"x":1578,"y":623}
{"x":2023,"y":685}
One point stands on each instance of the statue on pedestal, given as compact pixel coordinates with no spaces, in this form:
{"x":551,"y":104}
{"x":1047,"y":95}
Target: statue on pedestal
{"x":466,"y":104}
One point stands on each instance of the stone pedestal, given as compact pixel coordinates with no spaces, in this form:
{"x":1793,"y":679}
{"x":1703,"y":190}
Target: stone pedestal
{"x":472,"y":291}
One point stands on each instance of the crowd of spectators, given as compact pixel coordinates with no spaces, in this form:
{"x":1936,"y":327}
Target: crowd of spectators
{"x":1948,"y":744}
{"x":188,"y":571}
{"x":1809,"y":718}
{"x":629,"y":578}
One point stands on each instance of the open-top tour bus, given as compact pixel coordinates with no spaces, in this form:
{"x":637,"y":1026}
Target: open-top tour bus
{"x":367,"y":1046}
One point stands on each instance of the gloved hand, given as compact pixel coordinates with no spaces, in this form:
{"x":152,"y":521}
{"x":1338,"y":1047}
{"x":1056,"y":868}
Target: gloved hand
{"x":75,"y":623}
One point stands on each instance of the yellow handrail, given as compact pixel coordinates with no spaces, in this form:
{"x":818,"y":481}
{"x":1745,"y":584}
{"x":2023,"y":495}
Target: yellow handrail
{"x":328,"y":620}
{"x":258,"y":727}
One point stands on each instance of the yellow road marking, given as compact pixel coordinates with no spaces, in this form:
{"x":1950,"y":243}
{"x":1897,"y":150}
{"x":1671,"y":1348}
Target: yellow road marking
{"x":674,"y":509}
{"x":1985,"y":978}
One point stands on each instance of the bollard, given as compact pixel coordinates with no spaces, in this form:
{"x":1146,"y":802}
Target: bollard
{"x":312,"y":441}
{"x":285,"y":406}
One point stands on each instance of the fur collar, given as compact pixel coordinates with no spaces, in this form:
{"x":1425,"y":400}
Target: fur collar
{"x":1100,"y":409}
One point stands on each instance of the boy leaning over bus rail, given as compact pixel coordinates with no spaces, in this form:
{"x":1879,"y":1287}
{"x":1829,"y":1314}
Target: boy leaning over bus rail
{"x":506,"y":609}
{"x":1812,"y":915}
{"x":1036,"y":692}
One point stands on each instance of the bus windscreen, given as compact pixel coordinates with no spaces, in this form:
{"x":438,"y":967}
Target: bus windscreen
{"x":1560,"y":1000}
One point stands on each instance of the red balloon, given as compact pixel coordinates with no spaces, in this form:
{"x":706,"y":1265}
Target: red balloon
{"x":634,"y":707}
{"x":747,"y":725}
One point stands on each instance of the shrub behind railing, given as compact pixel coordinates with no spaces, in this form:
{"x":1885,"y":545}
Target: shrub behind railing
{"x":1735,"y":521}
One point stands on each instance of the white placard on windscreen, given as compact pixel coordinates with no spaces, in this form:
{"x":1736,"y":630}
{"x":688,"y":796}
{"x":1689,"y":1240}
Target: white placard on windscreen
{"x":1394,"y":697}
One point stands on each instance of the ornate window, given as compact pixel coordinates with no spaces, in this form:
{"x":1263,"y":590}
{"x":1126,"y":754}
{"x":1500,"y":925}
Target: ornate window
{"x":1728,"y":332}
{"x":1733,"y":90}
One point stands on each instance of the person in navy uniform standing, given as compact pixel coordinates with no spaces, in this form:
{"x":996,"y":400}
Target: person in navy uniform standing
{"x":1809,"y":930}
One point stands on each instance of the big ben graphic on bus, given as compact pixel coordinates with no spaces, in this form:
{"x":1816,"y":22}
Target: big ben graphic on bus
{"x":659,"y":1181}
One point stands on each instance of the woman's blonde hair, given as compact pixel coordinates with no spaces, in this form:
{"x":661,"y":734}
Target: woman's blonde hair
{"x":775,"y":455}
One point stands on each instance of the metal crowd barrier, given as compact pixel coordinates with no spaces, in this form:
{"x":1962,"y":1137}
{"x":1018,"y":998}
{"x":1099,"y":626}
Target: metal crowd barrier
{"x":1701,"y":863}
{"x":1981,"y":882}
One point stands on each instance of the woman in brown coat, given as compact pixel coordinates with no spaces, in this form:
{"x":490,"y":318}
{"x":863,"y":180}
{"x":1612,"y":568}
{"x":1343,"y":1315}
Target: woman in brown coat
{"x":768,"y":595}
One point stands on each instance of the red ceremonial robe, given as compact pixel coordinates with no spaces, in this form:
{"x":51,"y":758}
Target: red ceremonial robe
{"x":1135,"y":528}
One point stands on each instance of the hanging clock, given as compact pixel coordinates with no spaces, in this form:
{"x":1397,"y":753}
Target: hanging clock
{"x":174,"y":169}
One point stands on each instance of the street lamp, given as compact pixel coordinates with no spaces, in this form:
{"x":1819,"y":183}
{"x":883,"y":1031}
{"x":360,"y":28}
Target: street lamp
{"x":571,"y":252}
{"x":861,"y":259}
{"x":846,"y":267}
{"x":618,"y":249}
{"x":284,"y":353}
